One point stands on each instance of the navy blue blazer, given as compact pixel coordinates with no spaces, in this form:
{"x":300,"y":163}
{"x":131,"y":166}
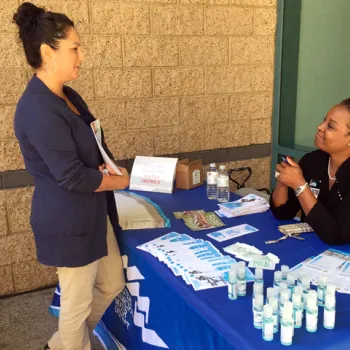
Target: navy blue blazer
{"x":69,"y":220}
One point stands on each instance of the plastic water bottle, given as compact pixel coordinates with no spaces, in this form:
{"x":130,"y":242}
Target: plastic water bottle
{"x":232,"y":283}
{"x":298,"y":310}
{"x":311,"y":312}
{"x":283,"y":288}
{"x":284,"y":270}
{"x":287,"y":328}
{"x":284,"y":298}
{"x":291,"y":285}
{"x":273,"y":301}
{"x":267,"y":325}
{"x":321,"y":290}
{"x":270,"y":293}
{"x":301,"y":274}
{"x":258,"y":288}
{"x":306,"y":289}
{"x":329,"y":311}
{"x":258,"y":311}
{"x":298,"y":290}
{"x":259,"y":276}
{"x":330,"y":289}
{"x":212,"y":174}
{"x":223,"y":186}
{"x":277,"y":278}
{"x":241,"y":279}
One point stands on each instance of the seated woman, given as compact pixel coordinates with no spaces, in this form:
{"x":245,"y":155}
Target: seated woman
{"x":320,"y":184}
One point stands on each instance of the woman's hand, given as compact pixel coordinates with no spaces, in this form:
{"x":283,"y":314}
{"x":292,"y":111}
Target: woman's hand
{"x":112,"y":172}
{"x":102,"y":168}
{"x":123,"y":171}
{"x":290,"y":174}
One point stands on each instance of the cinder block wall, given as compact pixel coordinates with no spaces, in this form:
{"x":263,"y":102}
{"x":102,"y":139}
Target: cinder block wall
{"x":164,"y":77}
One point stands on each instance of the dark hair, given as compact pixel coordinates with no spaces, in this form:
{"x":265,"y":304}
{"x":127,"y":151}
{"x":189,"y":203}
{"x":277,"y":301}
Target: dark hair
{"x":38,"y":26}
{"x":346,"y":103}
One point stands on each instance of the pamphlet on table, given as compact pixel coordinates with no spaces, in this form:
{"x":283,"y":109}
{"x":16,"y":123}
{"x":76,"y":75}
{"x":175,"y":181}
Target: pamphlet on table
{"x":253,"y":255}
{"x":197,"y":261}
{"x":138,"y":212}
{"x":232,"y":232}
{"x":333,"y":264}
{"x":198,"y":220}
{"x":250,"y":204}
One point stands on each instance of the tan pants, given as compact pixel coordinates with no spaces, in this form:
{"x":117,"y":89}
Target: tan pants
{"x":86,"y":293}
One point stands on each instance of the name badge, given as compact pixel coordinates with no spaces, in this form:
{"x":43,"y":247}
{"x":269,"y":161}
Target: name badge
{"x":315,"y":191}
{"x":313,"y":184}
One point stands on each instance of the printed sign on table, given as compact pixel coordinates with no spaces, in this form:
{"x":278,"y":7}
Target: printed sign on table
{"x":153,"y":174}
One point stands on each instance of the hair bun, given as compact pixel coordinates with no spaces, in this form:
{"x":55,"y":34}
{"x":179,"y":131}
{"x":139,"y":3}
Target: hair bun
{"x":27,"y":15}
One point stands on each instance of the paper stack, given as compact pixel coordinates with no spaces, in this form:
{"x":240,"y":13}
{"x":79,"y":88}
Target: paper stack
{"x":253,"y":255}
{"x":197,"y":261}
{"x":333,"y":264}
{"x":250,"y":204}
{"x":198,"y":220}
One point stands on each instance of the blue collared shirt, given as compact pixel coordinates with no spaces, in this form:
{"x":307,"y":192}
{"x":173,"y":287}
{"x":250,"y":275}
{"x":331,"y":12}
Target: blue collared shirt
{"x":68,"y":218}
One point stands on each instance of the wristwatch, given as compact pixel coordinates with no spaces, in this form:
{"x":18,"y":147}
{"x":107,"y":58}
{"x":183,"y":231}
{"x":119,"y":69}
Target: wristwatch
{"x":300,"y":189}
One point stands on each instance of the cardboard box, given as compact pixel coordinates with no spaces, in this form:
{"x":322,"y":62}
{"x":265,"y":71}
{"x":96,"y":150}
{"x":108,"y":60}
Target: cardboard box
{"x":189,"y":174}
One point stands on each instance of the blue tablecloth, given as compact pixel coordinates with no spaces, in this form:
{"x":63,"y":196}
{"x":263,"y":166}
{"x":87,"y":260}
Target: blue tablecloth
{"x":158,"y":310}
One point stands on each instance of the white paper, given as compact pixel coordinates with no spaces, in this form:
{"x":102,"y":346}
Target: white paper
{"x":232,"y":232}
{"x":262,"y":262}
{"x":135,"y":212}
{"x":96,"y":128}
{"x":197,"y":261}
{"x":153,"y":174}
{"x":249,"y":204}
{"x":333,"y":264}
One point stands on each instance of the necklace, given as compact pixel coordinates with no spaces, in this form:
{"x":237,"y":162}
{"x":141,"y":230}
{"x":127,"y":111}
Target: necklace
{"x":329,"y":175}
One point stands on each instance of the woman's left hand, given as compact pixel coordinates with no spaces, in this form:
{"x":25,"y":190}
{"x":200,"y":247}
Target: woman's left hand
{"x":103,"y":169}
{"x":290,"y":174}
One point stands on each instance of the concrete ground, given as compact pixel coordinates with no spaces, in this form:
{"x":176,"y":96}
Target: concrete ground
{"x":26,"y":324}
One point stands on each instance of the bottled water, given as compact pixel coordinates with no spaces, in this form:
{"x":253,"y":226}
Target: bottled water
{"x":306,"y":289}
{"x":277,"y":279}
{"x":321,"y":290}
{"x":258,"y":288}
{"x":283,"y":288}
{"x":273,"y":301}
{"x":232,"y":282}
{"x":258,"y":311}
{"x":311,"y":312}
{"x":298,"y":290}
{"x":270,"y":293}
{"x":291,"y":284}
{"x":212,"y":174}
{"x":267,"y":325}
{"x":223,"y":186}
{"x":301,"y":274}
{"x":287,"y":328}
{"x":298,"y":310}
{"x":284,"y":298}
{"x":259,"y":276}
{"x":241,"y":279}
{"x":329,"y":311}
{"x":330,"y":289}
{"x":285,"y":270}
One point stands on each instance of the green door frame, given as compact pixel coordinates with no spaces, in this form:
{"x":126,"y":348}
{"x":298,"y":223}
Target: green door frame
{"x":277,"y":149}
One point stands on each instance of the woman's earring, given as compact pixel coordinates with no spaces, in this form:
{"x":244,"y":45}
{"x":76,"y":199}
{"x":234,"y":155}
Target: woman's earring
{"x":47,"y":68}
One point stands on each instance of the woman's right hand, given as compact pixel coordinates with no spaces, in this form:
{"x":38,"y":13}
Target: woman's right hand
{"x":112,"y":172}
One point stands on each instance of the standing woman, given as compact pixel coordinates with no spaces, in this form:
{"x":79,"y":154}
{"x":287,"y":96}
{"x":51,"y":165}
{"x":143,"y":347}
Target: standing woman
{"x":72,"y":198}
